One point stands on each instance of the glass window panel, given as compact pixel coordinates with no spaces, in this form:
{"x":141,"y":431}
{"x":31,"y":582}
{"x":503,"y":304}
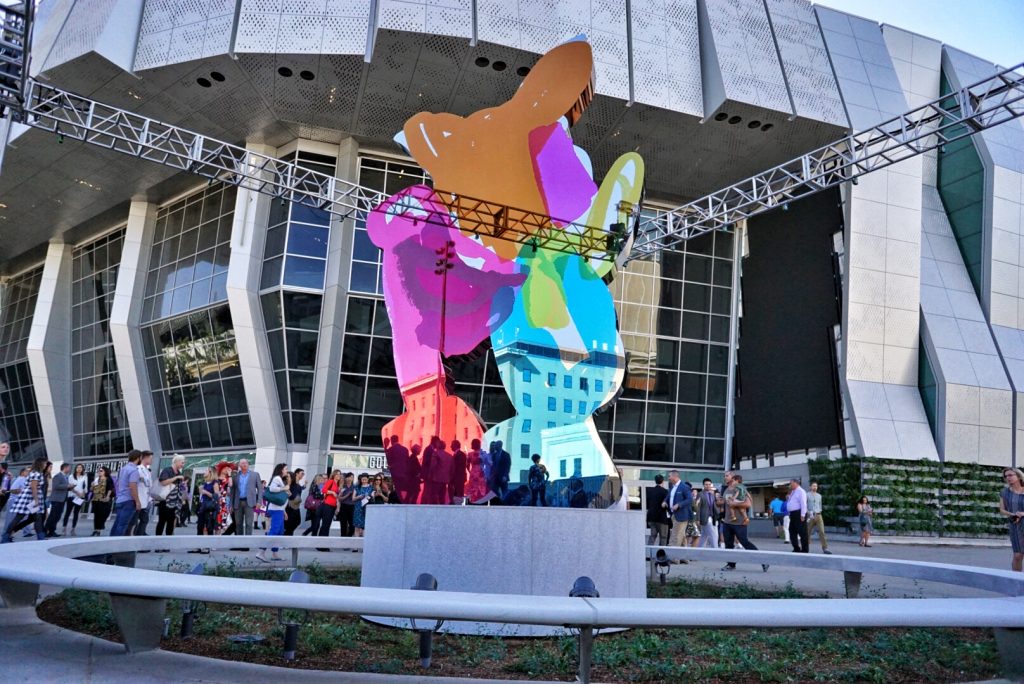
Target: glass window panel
{"x":350,"y":392}
{"x":381,"y":321}
{"x":668,"y":322}
{"x":470,"y":394}
{"x":300,"y":390}
{"x":356,"y":354}
{"x":629,"y":416}
{"x":346,"y":430}
{"x":718,"y":359}
{"x":723,"y":245}
{"x":304,"y":272}
{"x":220,"y":433}
{"x":364,"y":249}
{"x":719,"y":329}
{"x":360,"y":315}
{"x":692,"y":388}
{"x":271,"y":304}
{"x":704,"y":244}
{"x":179,"y":436}
{"x":300,"y":427}
{"x":698,"y":269}
{"x":204,"y":264}
{"x":382,"y":396}
{"x":271,"y":276}
{"x":281,"y":382}
{"x":302,"y":310}
{"x":717,"y":389}
{"x":715,"y":422}
{"x":694,"y":357}
{"x":193,"y":213}
{"x":219,"y":288}
{"x":671,"y":294}
{"x":664,"y":387}
{"x":371,"y":433}
{"x":714,"y":451}
{"x":180,"y":299}
{"x":364,"y":277}
{"x":495,"y":406}
{"x":658,"y":448}
{"x":382,"y":361}
{"x":278,"y":212}
{"x":221,"y":258}
{"x":311,"y":215}
{"x":690,"y":420}
{"x":189,"y":243}
{"x":200,"y":293}
{"x":308,"y":240}
{"x":301,"y":345}
{"x":220,"y":321}
{"x":200,"y":434}
{"x":213,"y":398}
{"x":628,"y":447}
{"x":193,"y":401}
{"x":697,"y":297}
{"x":661,"y":418}
{"x":672,"y":265}
{"x":211,"y":205}
{"x":234,"y":395}
{"x":689,"y":449}
{"x":241,"y":430}
{"x":695,"y":326}
{"x":668,"y":354}
{"x":723,"y":273}
{"x":721,"y":300}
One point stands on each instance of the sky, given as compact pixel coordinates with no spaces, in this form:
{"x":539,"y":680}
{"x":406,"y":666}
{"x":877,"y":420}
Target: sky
{"x":990,"y":29}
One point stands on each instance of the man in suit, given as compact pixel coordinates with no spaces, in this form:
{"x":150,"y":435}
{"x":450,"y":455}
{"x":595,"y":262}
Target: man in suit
{"x":440,"y":473}
{"x":710,"y":515}
{"x":501,"y":465}
{"x":680,"y":507}
{"x":398,"y":463}
{"x":246,"y":493}
{"x":658,"y":519}
{"x":58,"y":498}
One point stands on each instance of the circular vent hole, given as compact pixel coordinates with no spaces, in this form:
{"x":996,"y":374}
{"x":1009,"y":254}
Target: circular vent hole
{"x":204,"y":82}
{"x":754,"y":124}
{"x":735,"y":120}
{"x":767,"y":127}
{"x":284,"y":71}
{"x":522,"y":71}
{"x":217,"y":76}
{"x":721,"y":116}
{"x":499,"y":66}
{"x":307,"y":75}
{"x":482,"y":62}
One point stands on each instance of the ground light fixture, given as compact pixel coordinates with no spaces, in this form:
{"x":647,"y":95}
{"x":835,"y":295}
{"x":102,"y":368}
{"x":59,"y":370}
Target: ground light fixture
{"x":291,"y":626}
{"x":662,"y":565}
{"x":190,"y":608}
{"x":425,"y":582}
{"x":584,"y":588}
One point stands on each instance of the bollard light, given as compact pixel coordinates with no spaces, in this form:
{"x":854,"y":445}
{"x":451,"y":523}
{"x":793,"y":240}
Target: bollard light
{"x":190,"y":608}
{"x":662,"y":565}
{"x":426,"y":582}
{"x":584,"y":587}
{"x":291,"y":628}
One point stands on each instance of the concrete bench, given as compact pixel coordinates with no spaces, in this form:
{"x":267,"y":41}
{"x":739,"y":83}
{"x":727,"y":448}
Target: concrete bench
{"x":138,"y":597}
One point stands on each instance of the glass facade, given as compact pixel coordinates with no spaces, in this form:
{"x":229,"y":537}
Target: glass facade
{"x":291,"y":294}
{"x":100,"y":425}
{"x":19,"y":414}
{"x":188,"y":264}
{"x":961,"y":185}
{"x":674,"y":316}
{"x":193,"y":368}
{"x":188,"y":337}
{"x":928,"y":388}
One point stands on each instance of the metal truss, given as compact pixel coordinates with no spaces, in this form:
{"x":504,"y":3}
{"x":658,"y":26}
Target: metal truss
{"x":80,"y":118}
{"x":959,"y":114}
{"x":15,"y":33}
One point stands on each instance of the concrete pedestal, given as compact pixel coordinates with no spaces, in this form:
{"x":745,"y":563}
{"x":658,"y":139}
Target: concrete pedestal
{"x":515,"y":550}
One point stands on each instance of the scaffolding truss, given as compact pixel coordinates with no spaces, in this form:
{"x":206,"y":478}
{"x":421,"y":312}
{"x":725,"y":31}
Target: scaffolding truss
{"x":15,"y":33}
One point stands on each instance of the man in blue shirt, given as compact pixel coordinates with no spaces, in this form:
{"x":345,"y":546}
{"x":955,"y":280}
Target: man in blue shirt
{"x":127,"y":503}
{"x":777,"y":516}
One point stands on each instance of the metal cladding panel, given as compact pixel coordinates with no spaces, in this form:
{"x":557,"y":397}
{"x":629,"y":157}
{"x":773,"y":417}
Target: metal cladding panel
{"x":1005,"y":143}
{"x":175,"y":31}
{"x":436,"y":17}
{"x":805,"y":59}
{"x":867,"y":78}
{"x":303,"y":26}
{"x":539,"y":25}
{"x":747,"y":57}
{"x":666,"y":55}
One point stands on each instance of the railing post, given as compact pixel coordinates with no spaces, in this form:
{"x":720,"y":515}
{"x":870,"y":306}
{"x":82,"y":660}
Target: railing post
{"x":586,"y":654}
{"x":140,"y":619}
{"x":852,"y":582}
{"x":1010,"y":643}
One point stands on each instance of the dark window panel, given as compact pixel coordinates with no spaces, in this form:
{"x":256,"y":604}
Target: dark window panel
{"x":692,"y":388}
{"x":695,"y":326}
{"x":308,"y":241}
{"x":714,"y":452}
{"x":371,"y":432}
{"x":346,"y":430}
{"x":302,"y":310}
{"x":664,"y":387}
{"x":241,"y":430}
{"x":383,"y":396}
{"x":355,"y":354}
{"x":382,"y":361}
{"x":659,"y":448}
{"x":689,"y":450}
{"x":359,"y":318}
{"x":690,"y":420}
{"x":300,"y":427}
{"x":629,"y":416}
{"x":301,"y":345}
{"x":300,"y":390}
{"x":661,"y":418}
{"x":350,"y":392}
{"x":381,"y":321}
{"x":628,"y":447}
{"x":304,"y":272}
{"x":234,"y":395}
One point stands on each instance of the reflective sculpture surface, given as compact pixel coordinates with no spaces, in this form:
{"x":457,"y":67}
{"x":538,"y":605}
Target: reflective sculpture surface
{"x":548,"y":314}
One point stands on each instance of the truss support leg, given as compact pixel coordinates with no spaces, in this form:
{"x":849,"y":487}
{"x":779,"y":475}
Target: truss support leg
{"x":852,"y":582}
{"x":140,"y":619}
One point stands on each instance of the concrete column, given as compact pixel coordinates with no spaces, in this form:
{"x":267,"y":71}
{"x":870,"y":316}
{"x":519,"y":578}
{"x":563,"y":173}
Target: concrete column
{"x":49,"y":354}
{"x":140,"y":619}
{"x":248,"y":232}
{"x":332,"y":322}
{"x":125,"y":334}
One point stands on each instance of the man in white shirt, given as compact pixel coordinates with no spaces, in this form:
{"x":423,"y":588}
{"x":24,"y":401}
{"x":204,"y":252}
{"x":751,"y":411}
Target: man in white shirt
{"x":796,"y":504}
{"x":145,"y":483}
{"x":815,"y":521}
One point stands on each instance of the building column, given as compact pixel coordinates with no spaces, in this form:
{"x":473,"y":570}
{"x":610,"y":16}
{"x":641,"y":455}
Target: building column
{"x":332,"y":322}
{"x":125,"y":333}
{"x":49,"y":354}
{"x":248,"y":232}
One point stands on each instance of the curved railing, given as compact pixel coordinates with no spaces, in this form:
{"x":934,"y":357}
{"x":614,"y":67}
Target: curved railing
{"x":138,"y":596}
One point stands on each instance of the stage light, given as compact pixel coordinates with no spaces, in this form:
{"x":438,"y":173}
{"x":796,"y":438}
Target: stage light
{"x":584,"y":587}
{"x":189,"y":608}
{"x":662,"y":565}
{"x":291,"y":627}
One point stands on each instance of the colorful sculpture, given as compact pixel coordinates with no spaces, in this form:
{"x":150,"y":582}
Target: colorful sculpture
{"x":549,"y":314}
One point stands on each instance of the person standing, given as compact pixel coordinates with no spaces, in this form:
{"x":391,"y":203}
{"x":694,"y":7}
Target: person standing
{"x":126,"y":496}
{"x":347,"y":505}
{"x":658,"y":519}
{"x":501,"y":465}
{"x":59,"y":486}
{"x":778,"y":517}
{"x":680,"y":507}
{"x":709,"y":516}
{"x":457,"y":481}
{"x":815,"y":519}
{"x":314,"y":499}
{"x":693,"y":525}
{"x":102,"y":494}
{"x":5,"y":450}
{"x":209,"y":504}
{"x":735,"y":519}
{"x":864,"y":515}
{"x":477,"y":487}
{"x":325,"y":513}
{"x":246,"y":494}
{"x":415,"y":474}
{"x":427,"y":462}
{"x":5,"y":484}
{"x":28,"y":505}
{"x":796,"y":504}
{"x":398,"y":463}
{"x":440,"y":473}
{"x":364,"y":495}
{"x":78,"y":487}
{"x":293,"y":511}
{"x":277,"y":488}
{"x":172,"y":479}
{"x":17,"y":485}
{"x":537,"y":479}
{"x":145,"y":486}
{"x":1011,"y":505}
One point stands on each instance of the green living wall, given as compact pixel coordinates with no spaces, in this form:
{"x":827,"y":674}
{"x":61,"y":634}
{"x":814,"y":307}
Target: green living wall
{"x":917,"y":498}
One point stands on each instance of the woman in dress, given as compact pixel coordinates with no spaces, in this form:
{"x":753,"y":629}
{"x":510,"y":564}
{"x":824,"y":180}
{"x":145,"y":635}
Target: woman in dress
{"x":224,"y":471}
{"x":693,"y":524}
{"x":477,"y":487}
{"x":1011,"y":504}
{"x":30,"y":504}
{"x":209,"y":504}
{"x":78,"y":487}
{"x":312,"y":505}
{"x":102,"y":494}
{"x":864,"y":515}
{"x":364,"y":494}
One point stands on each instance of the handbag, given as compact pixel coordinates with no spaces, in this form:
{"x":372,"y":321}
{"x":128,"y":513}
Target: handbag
{"x":276,"y":498}
{"x":159,"y":492}
{"x":312,"y":503}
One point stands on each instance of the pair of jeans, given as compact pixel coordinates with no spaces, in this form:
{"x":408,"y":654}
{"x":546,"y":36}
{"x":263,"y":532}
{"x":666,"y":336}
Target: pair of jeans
{"x":124,"y":518}
{"x":140,"y":523}
{"x":731,"y":533}
{"x":206,"y":521}
{"x":21,"y":520}
{"x":276,"y":527}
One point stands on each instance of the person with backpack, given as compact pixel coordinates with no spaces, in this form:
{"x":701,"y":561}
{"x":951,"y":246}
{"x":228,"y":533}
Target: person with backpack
{"x":537,"y":479}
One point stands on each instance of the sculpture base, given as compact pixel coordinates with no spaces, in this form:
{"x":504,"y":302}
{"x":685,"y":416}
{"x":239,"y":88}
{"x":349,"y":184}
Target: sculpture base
{"x":504,"y":550}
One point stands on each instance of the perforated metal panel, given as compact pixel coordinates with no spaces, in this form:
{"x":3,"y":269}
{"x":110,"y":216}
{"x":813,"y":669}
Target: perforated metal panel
{"x":749,"y":62}
{"x":176,"y":31}
{"x":666,"y":55}
{"x":805,"y":60}
{"x":81,"y":32}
